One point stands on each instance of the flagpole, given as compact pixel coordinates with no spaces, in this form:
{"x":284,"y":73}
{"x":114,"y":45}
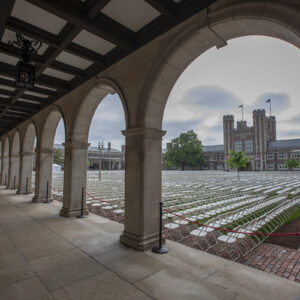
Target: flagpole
{"x":269,"y":101}
{"x":243,"y":113}
{"x":242,"y":107}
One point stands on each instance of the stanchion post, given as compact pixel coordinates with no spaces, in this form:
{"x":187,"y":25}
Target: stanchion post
{"x":160,"y":249}
{"x":82,"y":200}
{"x":5,"y":179}
{"x":47,"y":191}
{"x":14,"y":182}
{"x":26,"y":190}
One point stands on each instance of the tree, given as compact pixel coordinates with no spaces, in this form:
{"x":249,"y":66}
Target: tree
{"x":292,"y":163}
{"x":237,"y":160}
{"x":185,"y":151}
{"x":58,"y":156}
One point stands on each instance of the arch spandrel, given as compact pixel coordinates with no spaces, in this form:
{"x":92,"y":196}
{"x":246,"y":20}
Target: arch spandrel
{"x":214,"y":27}
{"x":28,"y":135}
{"x":47,"y":133}
{"x":15,"y":142}
{"x":88,"y":101}
{"x":6,"y":146}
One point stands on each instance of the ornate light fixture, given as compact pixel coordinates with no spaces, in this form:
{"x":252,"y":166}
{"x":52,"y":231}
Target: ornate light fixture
{"x":25,"y":71}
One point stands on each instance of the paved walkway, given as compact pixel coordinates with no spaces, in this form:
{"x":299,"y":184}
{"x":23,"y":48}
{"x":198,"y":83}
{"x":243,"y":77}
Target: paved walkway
{"x":283,"y":262}
{"x":44,"y":256}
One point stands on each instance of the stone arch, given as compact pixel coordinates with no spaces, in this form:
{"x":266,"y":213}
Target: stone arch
{"x":90,"y":99}
{"x":76,"y":146}
{"x":1,"y":156}
{"x":5,"y":161}
{"x":26,"y":158}
{"x":213,"y":27}
{"x":14,"y":160}
{"x":46,"y":138}
{"x":29,"y":137}
{"x":44,"y":155}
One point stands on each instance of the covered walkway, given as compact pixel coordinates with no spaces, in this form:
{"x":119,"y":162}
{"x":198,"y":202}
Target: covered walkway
{"x":45,"y":256}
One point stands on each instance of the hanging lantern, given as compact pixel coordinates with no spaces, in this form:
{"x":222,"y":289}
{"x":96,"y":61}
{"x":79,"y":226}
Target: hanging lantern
{"x":25,"y":71}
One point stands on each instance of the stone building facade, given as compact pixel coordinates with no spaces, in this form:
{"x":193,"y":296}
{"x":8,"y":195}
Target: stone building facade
{"x":257,"y":141}
{"x":111,"y":158}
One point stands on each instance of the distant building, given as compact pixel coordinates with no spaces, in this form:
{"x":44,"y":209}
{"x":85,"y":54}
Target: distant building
{"x":258,"y":142}
{"x":111,"y":158}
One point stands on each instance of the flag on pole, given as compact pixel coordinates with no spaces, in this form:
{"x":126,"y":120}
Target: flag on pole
{"x":268,"y":101}
{"x":241,"y":106}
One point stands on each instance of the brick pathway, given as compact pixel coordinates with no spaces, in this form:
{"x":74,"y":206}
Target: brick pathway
{"x":283,"y":262}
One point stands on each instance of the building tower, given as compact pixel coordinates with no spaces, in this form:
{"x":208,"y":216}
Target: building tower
{"x":260,"y":122}
{"x":272,"y":122}
{"x":228,"y":128}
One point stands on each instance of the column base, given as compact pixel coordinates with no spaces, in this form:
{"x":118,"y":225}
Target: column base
{"x":12,"y":188}
{"x":140,"y":243}
{"x":42,"y":200}
{"x":66,"y":212}
{"x":24,"y":192}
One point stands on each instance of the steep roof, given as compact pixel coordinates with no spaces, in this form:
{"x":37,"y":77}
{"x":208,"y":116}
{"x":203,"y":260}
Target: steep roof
{"x":284,"y":143}
{"x":91,"y":148}
{"x":213,"y":148}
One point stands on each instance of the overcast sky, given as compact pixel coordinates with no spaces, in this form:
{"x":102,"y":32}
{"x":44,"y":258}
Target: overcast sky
{"x":248,"y":71}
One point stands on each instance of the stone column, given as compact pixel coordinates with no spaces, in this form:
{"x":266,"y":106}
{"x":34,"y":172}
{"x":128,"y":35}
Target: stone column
{"x":43,"y":174}
{"x":13,"y":171}
{"x":142,"y":187}
{"x":75,"y":174}
{"x":25,"y":176}
{"x":4,"y":170}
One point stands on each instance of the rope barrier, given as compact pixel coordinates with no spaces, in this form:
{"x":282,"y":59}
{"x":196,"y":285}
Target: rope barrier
{"x":228,"y":230}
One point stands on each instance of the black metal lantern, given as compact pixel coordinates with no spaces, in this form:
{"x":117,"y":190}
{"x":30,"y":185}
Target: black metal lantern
{"x":25,"y":71}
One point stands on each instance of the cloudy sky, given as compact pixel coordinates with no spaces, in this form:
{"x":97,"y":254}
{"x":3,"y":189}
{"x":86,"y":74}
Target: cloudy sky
{"x":248,"y":71}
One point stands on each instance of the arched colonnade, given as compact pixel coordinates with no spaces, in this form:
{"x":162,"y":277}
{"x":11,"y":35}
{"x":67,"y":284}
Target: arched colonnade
{"x":143,"y":80}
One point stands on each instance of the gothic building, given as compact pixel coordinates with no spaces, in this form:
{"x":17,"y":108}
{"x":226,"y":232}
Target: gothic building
{"x":258,"y":142}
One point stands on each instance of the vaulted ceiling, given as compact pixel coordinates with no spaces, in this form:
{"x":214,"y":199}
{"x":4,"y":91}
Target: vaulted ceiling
{"x":80,"y":39}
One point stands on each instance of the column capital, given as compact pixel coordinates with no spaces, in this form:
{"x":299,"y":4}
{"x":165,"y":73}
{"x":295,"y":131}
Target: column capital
{"x":44,"y":150}
{"x":147,"y":133}
{"x":76,"y":145}
{"x":26,"y":153}
{"x":14,"y":155}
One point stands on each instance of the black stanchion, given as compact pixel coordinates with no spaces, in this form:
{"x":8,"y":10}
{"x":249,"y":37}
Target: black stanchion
{"x":47,"y":191}
{"x":82,"y":199}
{"x":26,"y":191}
{"x":160,"y":249}
{"x":5,"y":179}
{"x":14,"y":182}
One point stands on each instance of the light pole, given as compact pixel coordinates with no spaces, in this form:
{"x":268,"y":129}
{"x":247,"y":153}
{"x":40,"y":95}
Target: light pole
{"x":100,"y":148}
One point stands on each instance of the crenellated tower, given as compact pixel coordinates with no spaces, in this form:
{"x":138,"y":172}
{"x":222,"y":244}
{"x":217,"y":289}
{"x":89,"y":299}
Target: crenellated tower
{"x":228,"y":128}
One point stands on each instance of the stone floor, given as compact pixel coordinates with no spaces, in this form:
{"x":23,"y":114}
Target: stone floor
{"x":44,"y":256}
{"x":283,"y":262}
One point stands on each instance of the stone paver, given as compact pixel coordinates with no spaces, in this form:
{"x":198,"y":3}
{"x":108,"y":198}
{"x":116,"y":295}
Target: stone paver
{"x":277,"y":260}
{"x":44,"y":256}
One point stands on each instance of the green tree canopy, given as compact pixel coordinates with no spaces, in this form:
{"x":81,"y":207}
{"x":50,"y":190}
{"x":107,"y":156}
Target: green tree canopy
{"x":292,"y":163}
{"x":185,"y":151}
{"x":237,"y":160}
{"x":58,"y":156}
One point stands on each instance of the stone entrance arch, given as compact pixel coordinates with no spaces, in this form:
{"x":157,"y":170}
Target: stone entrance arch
{"x":26,"y":158}
{"x":14,"y":161}
{"x":213,"y":28}
{"x":44,"y":154}
{"x":5,"y":161}
{"x":76,"y":146}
